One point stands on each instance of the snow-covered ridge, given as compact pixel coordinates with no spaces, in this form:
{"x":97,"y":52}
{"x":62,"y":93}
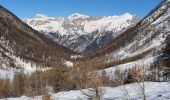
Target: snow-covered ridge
{"x":76,"y":16}
{"x":45,"y":23}
{"x":79,"y":32}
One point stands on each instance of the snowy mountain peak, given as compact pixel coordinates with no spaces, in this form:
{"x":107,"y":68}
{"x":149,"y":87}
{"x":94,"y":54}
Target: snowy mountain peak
{"x":77,"y":16}
{"x":40,"y":15}
{"x":127,"y":15}
{"x":43,"y":17}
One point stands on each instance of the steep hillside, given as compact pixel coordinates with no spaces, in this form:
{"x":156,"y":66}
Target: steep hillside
{"x":82,"y":33}
{"x":20,"y":45}
{"x":145,"y":40}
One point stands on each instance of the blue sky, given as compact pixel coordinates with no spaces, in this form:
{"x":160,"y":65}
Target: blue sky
{"x":64,"y":8}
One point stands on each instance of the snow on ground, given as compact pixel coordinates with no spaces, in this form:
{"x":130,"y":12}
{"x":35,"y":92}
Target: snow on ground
{"x":68,"y":63}
{"x":29,"y":67}
{"x":7,"y":73}
{"x":122,"y":67}
{"x":76,"y":56}
{"x":153,"y":91}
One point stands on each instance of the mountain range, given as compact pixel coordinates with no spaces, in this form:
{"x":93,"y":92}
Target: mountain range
{"x":82,"y":33}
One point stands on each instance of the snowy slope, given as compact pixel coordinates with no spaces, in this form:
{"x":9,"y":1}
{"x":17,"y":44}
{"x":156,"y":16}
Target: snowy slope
{"x":153,"y":91}
{"x":7,"y":71}
{"x":80,"y":32}
{"x":144,"y":41}
{"x":143,"y":63}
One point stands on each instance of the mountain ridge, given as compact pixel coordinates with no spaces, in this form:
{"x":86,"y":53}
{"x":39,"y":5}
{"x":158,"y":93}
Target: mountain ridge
{"x":82,"y":33}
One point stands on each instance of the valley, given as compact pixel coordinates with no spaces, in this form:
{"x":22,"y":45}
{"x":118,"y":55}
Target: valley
{"x":85,"y":58}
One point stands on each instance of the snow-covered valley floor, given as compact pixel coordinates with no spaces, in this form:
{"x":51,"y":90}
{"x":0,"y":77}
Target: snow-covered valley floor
{"x":153,"y":91}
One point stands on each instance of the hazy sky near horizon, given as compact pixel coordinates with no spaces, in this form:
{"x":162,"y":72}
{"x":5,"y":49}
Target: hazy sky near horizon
{"x":29,"y":8}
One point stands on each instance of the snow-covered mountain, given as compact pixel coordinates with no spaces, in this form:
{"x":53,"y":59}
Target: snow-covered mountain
{"x":82,"y":33}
